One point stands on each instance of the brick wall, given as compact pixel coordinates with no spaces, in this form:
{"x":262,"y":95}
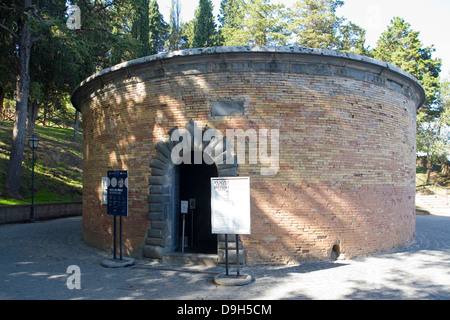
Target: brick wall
{"x":347,"y":144}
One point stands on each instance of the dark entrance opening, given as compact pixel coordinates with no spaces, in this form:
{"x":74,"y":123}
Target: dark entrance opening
{"x":195,"y":184}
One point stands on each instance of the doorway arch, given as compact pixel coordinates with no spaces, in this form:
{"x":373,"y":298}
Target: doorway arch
{"x":164,"y":185}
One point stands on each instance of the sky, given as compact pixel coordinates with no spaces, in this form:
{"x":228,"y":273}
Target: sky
{"x":431,"y":18}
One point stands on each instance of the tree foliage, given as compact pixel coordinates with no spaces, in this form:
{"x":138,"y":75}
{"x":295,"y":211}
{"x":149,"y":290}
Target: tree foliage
{"x":253,"y":22}
{"x":314,"y":24}
{"x":49,"y":60}
{"x":140,"y":27}
{"x":232,"y":18}
{"x":158,"y":29}
{"x":401,"y":46}
{"x":433,"y":133}
{"x":265,"y":24}
{"x":26,"y":24}
{"x":204,"y":27}
{"x":308,"y":23}
{"x":177,"y":38}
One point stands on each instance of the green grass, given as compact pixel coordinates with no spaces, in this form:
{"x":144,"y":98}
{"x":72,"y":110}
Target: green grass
{"x":443,"y":182}
{"x":58,"y":166}
{"x":10,"y":202}
{"x":435,"y":177}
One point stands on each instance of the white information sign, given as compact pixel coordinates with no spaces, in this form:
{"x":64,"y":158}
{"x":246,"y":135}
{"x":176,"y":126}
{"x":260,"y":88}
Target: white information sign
{"x":184,"y":206}
{"x":105,"y":184}
{"x":230,"y":205}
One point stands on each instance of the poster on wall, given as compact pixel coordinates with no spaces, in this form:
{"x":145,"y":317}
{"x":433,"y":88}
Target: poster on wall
{"x":230,"y":205}
{"x":105,"y":184}
{"x":118,"y":193}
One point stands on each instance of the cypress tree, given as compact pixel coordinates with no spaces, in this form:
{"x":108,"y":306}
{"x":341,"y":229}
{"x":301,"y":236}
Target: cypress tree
{"x":140,"y":27}
{"x":158,"y":29}
{"x":205,"y":34}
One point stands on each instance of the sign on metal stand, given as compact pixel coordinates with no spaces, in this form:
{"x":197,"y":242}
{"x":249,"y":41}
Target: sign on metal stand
{"x":184,"y":211}
{"x":117,"y":205}
{"x":230,"y":214}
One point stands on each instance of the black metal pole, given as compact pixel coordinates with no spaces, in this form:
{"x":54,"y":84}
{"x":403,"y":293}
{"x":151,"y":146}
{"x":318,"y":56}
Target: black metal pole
{"x":183,"y":232}
{"x":226,"y":255}
{"x":32,"y":218}
{"x":114,"y":242}
{"x":192,"y":228}
{"x":120,"y":237}
{"x":237,"y":254}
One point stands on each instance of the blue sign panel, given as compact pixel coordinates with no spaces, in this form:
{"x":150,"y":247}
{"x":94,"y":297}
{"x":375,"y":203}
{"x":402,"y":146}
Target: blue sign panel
{"x":118,"y":193}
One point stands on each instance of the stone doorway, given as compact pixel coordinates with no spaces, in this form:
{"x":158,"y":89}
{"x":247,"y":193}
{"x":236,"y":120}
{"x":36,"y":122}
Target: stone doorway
{"x":167,"y":187}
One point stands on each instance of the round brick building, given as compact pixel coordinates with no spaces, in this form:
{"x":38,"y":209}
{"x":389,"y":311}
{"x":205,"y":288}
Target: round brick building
{"x":328,"y":141}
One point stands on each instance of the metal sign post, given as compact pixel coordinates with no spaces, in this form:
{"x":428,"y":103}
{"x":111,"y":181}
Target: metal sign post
{"x":117,"y":196}
{"x":227,"y":273}
{"x":117,"y":205}
{"x":115,"y":237}
{"x":120,"y":237}
{"x":237,"y":254}
{"x":192,"y":208}
{"x":183,"y":232}
{"x":184,"y":211}
{"x":226,"y":255}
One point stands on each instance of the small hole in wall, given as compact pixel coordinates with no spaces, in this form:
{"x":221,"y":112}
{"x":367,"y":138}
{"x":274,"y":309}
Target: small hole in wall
{"x":335,"y":252}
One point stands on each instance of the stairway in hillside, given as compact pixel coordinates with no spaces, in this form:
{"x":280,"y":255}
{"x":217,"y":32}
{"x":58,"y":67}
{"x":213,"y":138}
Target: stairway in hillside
{"x":436,"y":205}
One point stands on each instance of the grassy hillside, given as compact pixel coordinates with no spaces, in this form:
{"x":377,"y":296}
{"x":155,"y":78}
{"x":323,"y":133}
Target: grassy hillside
{"x":58,"y":165}
{"x":442,"y":181}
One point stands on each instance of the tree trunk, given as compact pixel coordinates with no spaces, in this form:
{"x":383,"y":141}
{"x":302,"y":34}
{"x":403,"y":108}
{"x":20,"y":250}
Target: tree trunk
{"x":446,"y":168}
{"x":77,"y":124}
{"x":33,"y":109}
{"x":2,"y":98}
{"x":429,"y":167}
{"x":11,"y":187}
{"x":45,"y":116}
